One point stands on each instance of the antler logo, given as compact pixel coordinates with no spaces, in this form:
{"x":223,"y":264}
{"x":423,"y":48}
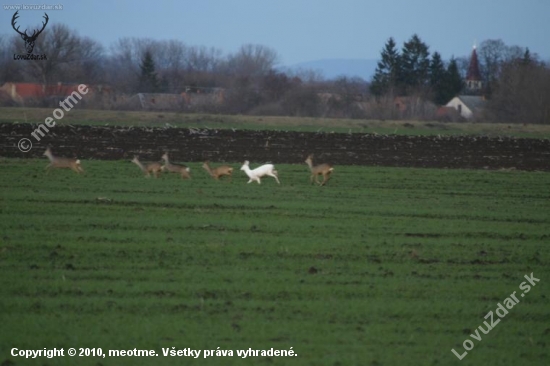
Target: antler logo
{"x":29,"y":40}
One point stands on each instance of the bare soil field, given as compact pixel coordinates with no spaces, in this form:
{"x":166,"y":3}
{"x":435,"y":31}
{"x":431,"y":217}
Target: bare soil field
{"x":191,"y":144}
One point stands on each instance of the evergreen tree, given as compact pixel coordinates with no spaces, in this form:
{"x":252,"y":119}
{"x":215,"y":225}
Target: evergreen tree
{"x":415,"y":59}
{"x":148,"y":82}
{"x":453,"y":82}
{"x":526,"y":60}
{"x":437,"y":79}
{"x":387,"y":74}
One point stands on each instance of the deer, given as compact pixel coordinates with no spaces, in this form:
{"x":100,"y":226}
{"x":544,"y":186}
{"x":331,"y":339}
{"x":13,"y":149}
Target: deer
{"x":256,"y":174}
{"x":155,"y":168}
{"x":322,"y":169}
{"x":57,"y":162}
{"x":29,"y":40}
{"x":216,"y":173}
{"x":183,"y":170}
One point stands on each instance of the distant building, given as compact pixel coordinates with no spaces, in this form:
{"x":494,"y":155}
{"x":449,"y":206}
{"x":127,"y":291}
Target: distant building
{"x":471,"y":103}
{"x":474,"y":82}
{"x":35,"y":94}
{"x":198,"y":97}
{"x":468,"y":106}
{"x":21,"y":92}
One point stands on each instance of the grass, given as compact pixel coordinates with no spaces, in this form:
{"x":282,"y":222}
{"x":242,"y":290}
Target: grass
{"x":383,"y":266}
{"x":302,"y":124}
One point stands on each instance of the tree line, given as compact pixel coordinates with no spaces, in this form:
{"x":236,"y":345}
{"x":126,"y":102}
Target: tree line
{"x":516,"y":84}
{"x":414,"y":72}
{"x":516,"y":81}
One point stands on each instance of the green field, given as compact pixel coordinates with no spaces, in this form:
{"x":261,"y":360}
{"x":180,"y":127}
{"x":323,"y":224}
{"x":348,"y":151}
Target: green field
{"x":383,"y":266}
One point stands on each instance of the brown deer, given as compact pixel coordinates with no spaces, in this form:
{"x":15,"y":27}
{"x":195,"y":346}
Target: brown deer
{"x":155,"y":168}
{"x":322,"y":169}
{"x":57,"y":162}
{"x":29,"y":40}
{"x":216,"y":173}
{"x":183,"y":170}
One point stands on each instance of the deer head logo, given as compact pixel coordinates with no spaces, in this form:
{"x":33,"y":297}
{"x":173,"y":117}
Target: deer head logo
{"x":29,"y":40}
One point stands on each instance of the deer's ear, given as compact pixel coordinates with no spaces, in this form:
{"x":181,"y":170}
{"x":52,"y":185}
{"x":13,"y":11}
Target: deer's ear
{"x":23,"y":36}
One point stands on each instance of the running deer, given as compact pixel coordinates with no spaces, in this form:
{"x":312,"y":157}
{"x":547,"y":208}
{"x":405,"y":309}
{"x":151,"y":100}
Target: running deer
{"x":218,"y":172}
{"x":57,"y":162}
{"x":155,"y":168}
{"x":183,"y":170}
{"x":256,"y":174}
{"x":322,"y":169}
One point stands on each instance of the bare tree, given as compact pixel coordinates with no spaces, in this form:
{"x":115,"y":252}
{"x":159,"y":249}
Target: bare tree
{"x":307,"y":76}
{"x":203,"y":59}
{"x":522,"y":93}
{"x":203,"y":67}
{"x":61,"y":45}
{"x":244,"y":72}
{"x":344,"y":97}
{"x":123,"y":64}
{"x":88,"y":67}
{"x":302,"y":100}
{"x":176,"y":64}
{"x":170,"y":63}
{"x":493,"y":54}
{"x":462,"y":64}
{"x":252,"y":60}
{"x":10,"y":69}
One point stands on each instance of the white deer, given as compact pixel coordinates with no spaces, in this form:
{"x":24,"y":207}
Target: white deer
{"x":256,"y":174}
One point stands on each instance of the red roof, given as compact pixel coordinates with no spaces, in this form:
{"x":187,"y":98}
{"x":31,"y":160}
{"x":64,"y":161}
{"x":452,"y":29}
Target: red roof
{"x":32,"y":90}
{"x":473,"y":69}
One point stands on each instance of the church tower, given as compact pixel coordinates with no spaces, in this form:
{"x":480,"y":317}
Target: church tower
{"x":474,"y":82}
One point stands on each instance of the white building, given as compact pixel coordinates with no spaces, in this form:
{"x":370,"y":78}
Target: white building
{"x":468,"y":106}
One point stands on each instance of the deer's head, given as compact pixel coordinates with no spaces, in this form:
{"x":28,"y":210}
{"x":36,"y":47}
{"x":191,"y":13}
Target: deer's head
{"x":29,"y":39}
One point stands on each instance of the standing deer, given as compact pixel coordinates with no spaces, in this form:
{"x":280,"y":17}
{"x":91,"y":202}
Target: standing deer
{"x":155,"y":168}
{"x":29,"y":40}
{"x":322,"y":169}
{"x":256,"y":174}
{"x":57,"y":162}
{"x":218,"y":172}
{"x":183,"y":170}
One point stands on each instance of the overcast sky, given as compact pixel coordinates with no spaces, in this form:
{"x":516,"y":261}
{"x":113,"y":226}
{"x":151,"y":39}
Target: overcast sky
{"x":304,"y":30}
